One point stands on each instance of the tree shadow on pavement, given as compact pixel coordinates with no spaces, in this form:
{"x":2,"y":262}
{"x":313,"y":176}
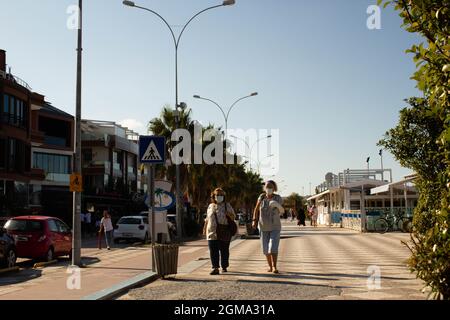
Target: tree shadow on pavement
{"x":284,"y":275}
{"x":285,"y":283}
{"x":21,"y":276}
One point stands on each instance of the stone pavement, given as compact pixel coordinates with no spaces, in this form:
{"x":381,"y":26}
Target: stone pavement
{"x":314,"y":263}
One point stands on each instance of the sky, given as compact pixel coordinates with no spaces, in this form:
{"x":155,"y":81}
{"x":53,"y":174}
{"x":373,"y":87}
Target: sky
{"x":330,"y":85}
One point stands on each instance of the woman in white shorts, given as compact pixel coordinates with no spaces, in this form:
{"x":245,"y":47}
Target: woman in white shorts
{"x":267,"y":218}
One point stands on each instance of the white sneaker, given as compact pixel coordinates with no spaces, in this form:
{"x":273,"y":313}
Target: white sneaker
{"x":109,"y":248}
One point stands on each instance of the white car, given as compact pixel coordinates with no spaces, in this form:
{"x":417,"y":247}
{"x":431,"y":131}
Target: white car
{"x":132,"y":227}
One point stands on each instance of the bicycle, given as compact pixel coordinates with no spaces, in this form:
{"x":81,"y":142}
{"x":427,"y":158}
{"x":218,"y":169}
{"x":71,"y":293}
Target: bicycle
{"x":390,"y":221}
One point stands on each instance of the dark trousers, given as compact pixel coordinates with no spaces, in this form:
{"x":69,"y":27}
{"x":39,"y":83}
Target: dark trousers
{"x":219,"y":250}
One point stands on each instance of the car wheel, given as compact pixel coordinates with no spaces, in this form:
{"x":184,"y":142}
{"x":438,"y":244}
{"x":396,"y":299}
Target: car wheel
{"x":49,"y":255}
{"x":11,"y":258}
{"x":145,"y":238}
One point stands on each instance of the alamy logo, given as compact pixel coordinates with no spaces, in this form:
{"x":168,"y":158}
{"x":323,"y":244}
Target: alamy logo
{"x":374,"y":280}
{"x":73,"y":21}
{"x":374,"y":20}
{"x":74,"y":280}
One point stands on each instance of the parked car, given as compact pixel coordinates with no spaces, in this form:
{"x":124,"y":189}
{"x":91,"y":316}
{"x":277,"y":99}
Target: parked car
{"x":8,"y":254}
{"x":40,"y":237}
{"x":132,"y":227}
{"x":3,"y":220}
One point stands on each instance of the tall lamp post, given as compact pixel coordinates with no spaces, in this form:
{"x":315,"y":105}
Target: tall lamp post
{"x":226,"y":115}
{"x":176,"y":41}
{"x":76,"y":237}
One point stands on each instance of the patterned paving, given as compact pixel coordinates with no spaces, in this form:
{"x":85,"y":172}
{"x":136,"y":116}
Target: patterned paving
{"x":329,"y":257}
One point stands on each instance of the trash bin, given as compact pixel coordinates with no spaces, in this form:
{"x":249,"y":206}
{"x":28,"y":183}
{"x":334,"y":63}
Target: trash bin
{"x":166,"y":259}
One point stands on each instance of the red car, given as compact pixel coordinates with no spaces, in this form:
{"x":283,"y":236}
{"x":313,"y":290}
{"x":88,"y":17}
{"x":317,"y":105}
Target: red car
{"x":40,"y":237}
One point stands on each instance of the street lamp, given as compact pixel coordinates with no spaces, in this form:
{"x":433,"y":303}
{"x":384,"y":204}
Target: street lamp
{"x":176,"y":42}
{"x":226,"y":116}
{"x":252,"y":146}
{"x":259,"y":162}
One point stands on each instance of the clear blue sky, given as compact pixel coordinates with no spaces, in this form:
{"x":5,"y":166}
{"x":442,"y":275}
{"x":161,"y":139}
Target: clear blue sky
{"x":332,"y":86}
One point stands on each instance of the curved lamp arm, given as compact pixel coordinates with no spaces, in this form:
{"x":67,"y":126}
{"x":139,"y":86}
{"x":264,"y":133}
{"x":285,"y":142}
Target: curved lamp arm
{"x":159,"y":16}
{"x":232,"y":106}
{"x":177,"y":42}
{"x":221,"y":109}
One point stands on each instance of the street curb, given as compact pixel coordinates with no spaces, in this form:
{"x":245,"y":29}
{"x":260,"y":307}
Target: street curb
{"x":114,"y":291}
{"x":144,"y":278}
{"x":43,"y":264}
{"x":9,"y":270}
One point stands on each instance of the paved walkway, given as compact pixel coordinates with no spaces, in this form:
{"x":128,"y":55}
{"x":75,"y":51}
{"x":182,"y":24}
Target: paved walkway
{"x":105,"y":269}
{"x":315,"y":263}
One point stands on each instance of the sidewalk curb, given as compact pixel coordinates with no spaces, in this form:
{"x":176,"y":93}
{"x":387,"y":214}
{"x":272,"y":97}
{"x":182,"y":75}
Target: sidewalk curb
{"x":12,"y":269}
{"x":114,"y":291}
{"x":144,"y":278}
{"x":43,"y":264}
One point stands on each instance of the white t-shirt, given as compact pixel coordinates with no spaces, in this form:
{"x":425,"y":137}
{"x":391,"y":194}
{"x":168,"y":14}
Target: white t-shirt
{"x":107,"y":224}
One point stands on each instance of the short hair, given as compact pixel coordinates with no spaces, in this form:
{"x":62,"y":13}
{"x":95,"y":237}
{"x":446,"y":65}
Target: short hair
{"x":272,"y":183}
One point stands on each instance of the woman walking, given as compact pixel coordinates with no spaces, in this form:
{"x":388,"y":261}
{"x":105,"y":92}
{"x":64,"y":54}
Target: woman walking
{"x":301,"y":216}
{"x":267,"y":218}
{"x":219,"y":230}
{"x":315,"y":215}
{"x":107,"y":227}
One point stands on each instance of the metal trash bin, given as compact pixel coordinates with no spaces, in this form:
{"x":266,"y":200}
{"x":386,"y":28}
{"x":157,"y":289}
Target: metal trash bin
{"x":166,"y":259}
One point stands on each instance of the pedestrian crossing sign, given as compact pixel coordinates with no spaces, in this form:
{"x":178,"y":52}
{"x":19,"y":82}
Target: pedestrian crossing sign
{"x":152,"y":149}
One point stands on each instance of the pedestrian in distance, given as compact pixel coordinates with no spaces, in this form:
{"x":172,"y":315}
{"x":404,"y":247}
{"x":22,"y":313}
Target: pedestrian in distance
{"x":83,"y":223}
{"x":266,"y":217}
{"x":301,"y":217}
{"x":315,"y":215}
{"x":219,"y":229}
{"x":88,"y":223}
{"x":107,"y":227}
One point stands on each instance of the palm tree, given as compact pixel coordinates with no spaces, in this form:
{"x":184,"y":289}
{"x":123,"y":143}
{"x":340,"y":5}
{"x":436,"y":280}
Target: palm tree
{"x":164,"y":125}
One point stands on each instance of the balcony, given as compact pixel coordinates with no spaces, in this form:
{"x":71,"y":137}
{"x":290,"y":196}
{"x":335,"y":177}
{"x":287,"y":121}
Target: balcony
{"x":97,"y":168}
{"x":58,"y":177}
{"x":14,"y":79}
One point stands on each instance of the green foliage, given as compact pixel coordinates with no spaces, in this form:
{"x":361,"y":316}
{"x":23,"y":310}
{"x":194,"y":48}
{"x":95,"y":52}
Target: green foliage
{"x":421,"y":141}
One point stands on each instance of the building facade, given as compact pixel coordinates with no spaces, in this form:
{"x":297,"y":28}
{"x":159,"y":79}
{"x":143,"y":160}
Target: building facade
{"x":36,"y":150}
{"x":110,"y":167}
{"x":354,"y":199}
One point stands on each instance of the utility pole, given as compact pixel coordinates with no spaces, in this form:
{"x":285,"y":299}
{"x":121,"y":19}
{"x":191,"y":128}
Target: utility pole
{"x":382,"y":170}
{"x":76,"y":236}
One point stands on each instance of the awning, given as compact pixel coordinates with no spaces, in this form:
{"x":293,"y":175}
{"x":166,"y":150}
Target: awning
{"x":399,"y":184}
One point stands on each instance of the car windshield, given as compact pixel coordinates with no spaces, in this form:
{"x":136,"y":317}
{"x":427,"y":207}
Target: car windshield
{"x":129,"y":221}
{"x":23,"y":225}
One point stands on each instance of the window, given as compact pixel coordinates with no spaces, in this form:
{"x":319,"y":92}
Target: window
{"x":51,"y":163}
{"x":62,"y":227}
{"x":24,"y":225}
{"x":52,"y":226}
{"x":6,"y":104}
{"x":2,"y":153}
{"x":87,"y":155}
{"x":12,"y":154}
{"x":14,"y":111}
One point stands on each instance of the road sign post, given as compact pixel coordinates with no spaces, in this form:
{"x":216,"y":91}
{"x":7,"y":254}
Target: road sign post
{"x":152,"y":151}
